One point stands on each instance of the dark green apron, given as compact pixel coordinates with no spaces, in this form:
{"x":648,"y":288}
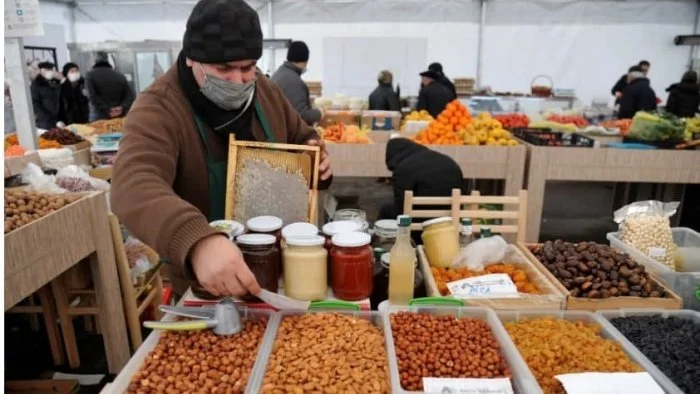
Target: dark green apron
{"x":216,"y":170}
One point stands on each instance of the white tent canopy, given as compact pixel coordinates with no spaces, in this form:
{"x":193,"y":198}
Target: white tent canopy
{"x":585,"y":45}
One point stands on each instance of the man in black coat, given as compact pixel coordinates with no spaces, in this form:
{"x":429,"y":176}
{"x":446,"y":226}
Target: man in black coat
{"x":621,"y":83}
{"x":437,"y":67}
{"x":417,"y":168}
{"x":383,"y":98}
{"x":45,"y":91}
{"x":110,"y":93}
{"x":434,"y":96}
{"x":684,"y":97}
{"x":637,"y":96}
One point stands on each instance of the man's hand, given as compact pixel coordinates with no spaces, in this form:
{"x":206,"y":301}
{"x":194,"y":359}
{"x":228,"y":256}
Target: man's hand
{"x":618,"y":94}
{"x":220,"y":268}
{"x":324,"y":167}
{"x":115,"y":112}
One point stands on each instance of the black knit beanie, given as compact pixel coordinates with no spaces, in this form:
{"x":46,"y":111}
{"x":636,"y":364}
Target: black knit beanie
{"x":298,"y":52}
{"x":222,"y":31}
{"x":67,"y":67}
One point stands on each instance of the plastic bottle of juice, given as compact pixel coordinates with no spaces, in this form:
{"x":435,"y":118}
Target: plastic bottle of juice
{"x":402,"y":264}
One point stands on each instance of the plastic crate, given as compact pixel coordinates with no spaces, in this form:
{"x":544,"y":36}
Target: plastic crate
{"x":557,"y":138}
{"x":685,"y":284}
{"x":606,"y":331}
{"x":667,"y":384}
{"x":522,"y":379}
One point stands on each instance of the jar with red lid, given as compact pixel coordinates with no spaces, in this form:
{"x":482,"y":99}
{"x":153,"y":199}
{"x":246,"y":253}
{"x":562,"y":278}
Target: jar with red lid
{"x":351,"y":259}
{"x":261,"y":256}
{"x":334,"y":228}
{"x":271,"y":225}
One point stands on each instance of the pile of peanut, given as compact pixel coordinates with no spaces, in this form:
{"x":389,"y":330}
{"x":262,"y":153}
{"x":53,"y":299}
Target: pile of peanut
{"x":327,"y":353}
{"x":200,"y":361}
{"x":553,"y":347}
{"x":444,"y":347}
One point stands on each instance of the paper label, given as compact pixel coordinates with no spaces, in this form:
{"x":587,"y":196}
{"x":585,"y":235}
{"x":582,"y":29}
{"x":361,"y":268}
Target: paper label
{"x":467,"y":386}
{"x":490,"y":285}
{"x":657,"y":253}
{"x":609,"y":383}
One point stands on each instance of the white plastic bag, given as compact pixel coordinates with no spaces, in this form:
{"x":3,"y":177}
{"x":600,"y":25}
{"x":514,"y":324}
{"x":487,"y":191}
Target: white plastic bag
{"x":39,"y":182}
{"x":481,"y":253}
{"x":74,"y":179}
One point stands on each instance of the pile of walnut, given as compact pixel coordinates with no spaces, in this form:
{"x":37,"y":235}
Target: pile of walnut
{"x":591,"y":270}
{"x":25,"y":207}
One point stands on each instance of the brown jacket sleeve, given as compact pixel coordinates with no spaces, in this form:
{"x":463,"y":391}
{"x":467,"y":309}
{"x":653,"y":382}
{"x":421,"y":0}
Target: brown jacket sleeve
{"x":142,"y":193}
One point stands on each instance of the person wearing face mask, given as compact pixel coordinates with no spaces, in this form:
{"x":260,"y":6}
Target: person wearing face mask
{"x":109,"y":92}
{"x":288,"y":78}
{"x":72,"y":102}
{"x":169,"y":179}
{"x":45,"y":90}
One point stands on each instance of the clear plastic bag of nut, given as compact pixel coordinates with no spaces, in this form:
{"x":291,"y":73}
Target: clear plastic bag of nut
{"x":645,"y":225}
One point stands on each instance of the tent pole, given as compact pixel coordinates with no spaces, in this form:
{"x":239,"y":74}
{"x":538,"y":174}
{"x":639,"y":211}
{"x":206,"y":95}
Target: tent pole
{"x":480,"y":44}
{"x":270,"y":34}
{"x":693,"y":48}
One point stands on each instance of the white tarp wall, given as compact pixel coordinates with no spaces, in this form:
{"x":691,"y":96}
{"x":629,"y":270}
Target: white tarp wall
{"x":585,"y":45}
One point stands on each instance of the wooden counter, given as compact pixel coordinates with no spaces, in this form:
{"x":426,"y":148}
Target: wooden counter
{"x":476,"y":162}
{"x":602,"y":165}
{"x":41,"y":251}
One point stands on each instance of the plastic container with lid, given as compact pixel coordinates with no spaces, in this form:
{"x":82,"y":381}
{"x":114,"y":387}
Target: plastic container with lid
{"x":230,"y":227}
{"x":299,"y":229}
{"x":685,"y":281}
{"x":351,"y":259}
{"x":268,"y":225}
{"x":262,"y":257}
{"x":305,"y":266}
{"x":355,"y":215}
{"x":440,"y":241}
{"x":384,"y":235}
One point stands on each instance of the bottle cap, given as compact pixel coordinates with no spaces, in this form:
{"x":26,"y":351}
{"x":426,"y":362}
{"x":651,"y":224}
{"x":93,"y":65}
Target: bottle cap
{"x":403,"y":220}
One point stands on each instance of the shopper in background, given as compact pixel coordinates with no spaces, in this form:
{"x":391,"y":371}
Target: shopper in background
{"x":684,"y":97}
{"x":288,"y":78}
{"x":621,"y":83}
{"x":437,"y":67}
{"x":637,"y":96}
{"x":433,"y":96}
{"x":383,"y":98}
{"x":45,"y":90}
{"x":169,"y":178}
{"x":109,"y":92}
{"x":72,"y":101}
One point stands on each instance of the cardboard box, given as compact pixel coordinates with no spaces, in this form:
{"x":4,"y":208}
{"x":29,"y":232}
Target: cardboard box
{"x":332,"y":117}
{"x":381,"y":120}
{"x":15,"y":165}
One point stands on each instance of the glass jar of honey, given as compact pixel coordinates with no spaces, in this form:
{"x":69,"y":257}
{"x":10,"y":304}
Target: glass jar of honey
{"x":440,"y":241}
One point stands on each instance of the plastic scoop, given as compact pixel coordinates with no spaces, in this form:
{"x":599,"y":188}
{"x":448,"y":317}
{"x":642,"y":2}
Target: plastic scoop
{"x":223,"y":318}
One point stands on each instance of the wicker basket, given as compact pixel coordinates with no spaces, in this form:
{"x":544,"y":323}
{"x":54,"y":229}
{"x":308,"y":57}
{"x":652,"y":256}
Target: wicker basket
{"x":542,"y":90}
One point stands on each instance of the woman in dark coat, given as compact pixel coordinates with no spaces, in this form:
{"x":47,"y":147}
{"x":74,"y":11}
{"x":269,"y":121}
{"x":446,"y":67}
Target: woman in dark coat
{"x":44,"y":89}
{"x":383,"y":98}
{"x":73,"y":103}
{"x":637,"y":96}
{"x":684,"y":97}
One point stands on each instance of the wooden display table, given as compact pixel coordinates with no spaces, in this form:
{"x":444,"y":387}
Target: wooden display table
{"x":602,"y":165}
{"x":41,"y":251}
{"x":476,"y":162}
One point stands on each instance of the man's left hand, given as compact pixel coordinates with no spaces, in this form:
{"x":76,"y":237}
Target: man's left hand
{"x":324,"y":167}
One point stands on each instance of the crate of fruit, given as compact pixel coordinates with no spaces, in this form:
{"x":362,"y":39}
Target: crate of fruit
{"x":595,"y":276}
{"x":338,"y":351}
{"x":667,"y":339}
{"x":427,"y":342}
{"x":544,"y":137}
{"x":535,"y":290}
{"x":189,"y":361}
{"x":568,"y":342}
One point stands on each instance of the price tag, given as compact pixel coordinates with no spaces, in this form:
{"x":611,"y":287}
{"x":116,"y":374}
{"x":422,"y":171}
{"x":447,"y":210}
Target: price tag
{"x":490,"y":285}
{"x":609,"y":383}
{"x":467,"y":386}
{"x":657,"y":253}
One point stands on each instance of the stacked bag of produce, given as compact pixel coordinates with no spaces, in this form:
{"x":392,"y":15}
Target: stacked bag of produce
{"x":656,"y":127}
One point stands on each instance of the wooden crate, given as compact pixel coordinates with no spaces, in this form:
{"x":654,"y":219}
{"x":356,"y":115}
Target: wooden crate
{"x":553,"y":297}
{"x":15,"y":165}
{"x":673,"y":301}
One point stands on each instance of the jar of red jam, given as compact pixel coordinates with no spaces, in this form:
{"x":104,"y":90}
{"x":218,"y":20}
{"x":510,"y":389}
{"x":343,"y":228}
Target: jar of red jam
{"x":271,"y":225}
{"x":261,"y":256}
{"x":351,"y":259}
{"x":333,"y":228}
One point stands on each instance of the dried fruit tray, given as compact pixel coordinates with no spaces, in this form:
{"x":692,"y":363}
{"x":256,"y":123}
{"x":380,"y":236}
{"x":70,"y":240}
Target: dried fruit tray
{"x":257,"y":380}
{"x":121,"y":382}
{"x":553,"y":298}
{"x":685,"y":314}
{"x":606,"y":331}
{"x":522,"y":379}
{"x":671,"y":301}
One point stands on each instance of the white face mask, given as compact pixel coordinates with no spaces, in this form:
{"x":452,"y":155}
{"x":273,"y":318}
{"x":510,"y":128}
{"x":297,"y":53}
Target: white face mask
{"x":48,"y":74}
{"x":74,"y":77}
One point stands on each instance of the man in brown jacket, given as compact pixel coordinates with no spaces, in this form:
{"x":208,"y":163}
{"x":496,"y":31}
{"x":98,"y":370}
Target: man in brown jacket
{"x":169,"y":178}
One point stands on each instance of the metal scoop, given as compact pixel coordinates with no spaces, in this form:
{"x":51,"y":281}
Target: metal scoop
{"x":223,"y":318}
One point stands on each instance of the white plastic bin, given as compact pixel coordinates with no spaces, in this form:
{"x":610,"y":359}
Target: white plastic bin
{"x":685,"y":284}
{"x":609,"y":314}
{"x":522,"y":379}
{"x":606,"y":331}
